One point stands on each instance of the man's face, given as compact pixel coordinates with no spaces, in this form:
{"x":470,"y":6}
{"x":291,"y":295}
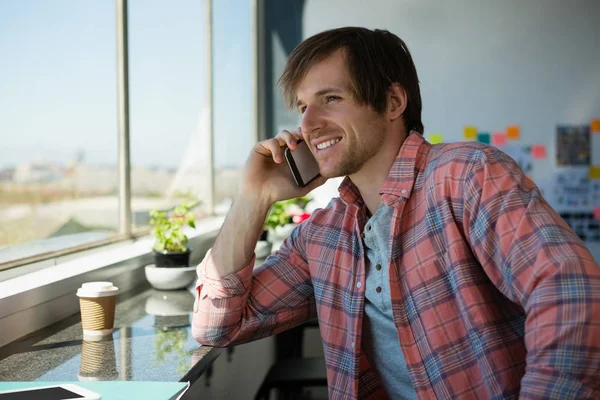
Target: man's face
{"x":342,"y":134}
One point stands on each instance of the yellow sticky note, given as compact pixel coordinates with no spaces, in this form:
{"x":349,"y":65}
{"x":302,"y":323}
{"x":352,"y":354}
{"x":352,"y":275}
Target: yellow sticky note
{"x":436,"y":138}
{"x":470,"y":132}
{"x":513,"y":132}
{"x":594,"y":172}
{"x":595,"y":126}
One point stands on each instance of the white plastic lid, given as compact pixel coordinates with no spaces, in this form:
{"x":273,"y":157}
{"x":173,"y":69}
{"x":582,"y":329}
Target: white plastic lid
{"x":97,"y":289}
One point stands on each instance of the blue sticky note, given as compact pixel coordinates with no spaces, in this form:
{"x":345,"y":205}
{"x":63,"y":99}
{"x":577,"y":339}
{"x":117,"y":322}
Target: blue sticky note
{"x":483,"y":137}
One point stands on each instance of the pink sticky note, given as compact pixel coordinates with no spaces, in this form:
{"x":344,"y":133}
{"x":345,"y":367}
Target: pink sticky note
{"x":596,"y":213}
{"x":498,"y":139}
{"x":538,"y":151}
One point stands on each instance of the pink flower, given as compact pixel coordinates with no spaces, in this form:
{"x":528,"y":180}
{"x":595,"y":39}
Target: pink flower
{"x":299,"y":218}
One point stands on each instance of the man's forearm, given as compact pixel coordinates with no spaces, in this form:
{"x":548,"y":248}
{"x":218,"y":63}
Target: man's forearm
{"x":235,"y":244}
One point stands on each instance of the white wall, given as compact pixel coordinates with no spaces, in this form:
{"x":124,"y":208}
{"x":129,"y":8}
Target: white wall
{"x":535,"y":63}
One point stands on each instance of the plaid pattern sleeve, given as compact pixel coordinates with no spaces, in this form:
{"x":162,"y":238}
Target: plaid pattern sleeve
{"x":534,"y":258}
{"x":254,"y":302}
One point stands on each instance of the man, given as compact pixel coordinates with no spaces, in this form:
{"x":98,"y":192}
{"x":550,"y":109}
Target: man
{"x":439,"y":272}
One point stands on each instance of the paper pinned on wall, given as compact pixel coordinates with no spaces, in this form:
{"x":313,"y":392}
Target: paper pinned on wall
{"x":538,"y":151}
{"x":470,"y":132}
{"x":595,"y":192}
{"x":513,"y":132}
{"x":483,"y":137}
{"x":594,"y":172}
{"x":573,"y":145}
{"x":498,"y":139}
{"x":572,"y":189}
{"x":595,"y":149}
{"x":436,"y":138}
{"x":595,"y":126}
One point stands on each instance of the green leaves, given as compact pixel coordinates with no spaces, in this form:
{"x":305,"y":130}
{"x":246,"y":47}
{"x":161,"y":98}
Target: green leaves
{"x":168,"y":228}
{"x":278,"y":215}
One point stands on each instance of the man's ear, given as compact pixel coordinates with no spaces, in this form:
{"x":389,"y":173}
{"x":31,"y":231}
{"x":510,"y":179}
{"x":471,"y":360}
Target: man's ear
{"x":396,"y":101}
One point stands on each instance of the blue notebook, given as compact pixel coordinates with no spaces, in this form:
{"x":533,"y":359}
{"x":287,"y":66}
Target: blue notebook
{"x":115,"y":390}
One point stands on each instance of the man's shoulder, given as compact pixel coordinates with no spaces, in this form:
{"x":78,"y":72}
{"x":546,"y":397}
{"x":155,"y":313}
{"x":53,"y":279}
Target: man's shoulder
{"x":459,"y":155}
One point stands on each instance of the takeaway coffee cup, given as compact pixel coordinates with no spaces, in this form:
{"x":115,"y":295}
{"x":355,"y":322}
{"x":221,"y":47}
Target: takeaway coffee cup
{"x":97,"y":302}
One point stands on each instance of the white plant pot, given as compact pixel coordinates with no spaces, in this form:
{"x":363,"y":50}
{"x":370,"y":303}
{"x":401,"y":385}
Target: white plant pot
{"x":170,"y":278}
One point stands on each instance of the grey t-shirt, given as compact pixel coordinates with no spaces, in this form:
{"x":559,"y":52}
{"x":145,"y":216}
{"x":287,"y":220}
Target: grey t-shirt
{"x":380,"y":337}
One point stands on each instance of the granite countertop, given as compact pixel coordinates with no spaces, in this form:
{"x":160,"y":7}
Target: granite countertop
{"x":152,"y":341}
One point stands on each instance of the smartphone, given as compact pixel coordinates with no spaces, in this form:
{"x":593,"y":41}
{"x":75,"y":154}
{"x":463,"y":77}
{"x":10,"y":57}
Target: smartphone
{"x":56,"y":392}
{"x":302,"y":163}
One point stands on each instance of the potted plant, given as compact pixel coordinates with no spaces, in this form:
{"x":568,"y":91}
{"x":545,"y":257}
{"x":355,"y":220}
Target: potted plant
{"x":170,"y":247}
{"x":282,"y":215}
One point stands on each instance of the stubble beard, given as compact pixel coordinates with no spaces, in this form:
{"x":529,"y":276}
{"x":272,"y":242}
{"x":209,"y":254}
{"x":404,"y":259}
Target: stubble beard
{"x":356,"y":156}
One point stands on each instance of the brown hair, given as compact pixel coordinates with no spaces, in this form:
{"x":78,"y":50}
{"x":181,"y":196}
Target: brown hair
{"x":375,"y":60}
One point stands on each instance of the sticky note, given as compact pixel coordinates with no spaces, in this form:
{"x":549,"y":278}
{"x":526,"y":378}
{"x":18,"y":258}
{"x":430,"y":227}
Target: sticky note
{"x":498,"y":139}
{"x":513,"y":132}
{"x":436,"y":138}
{"x":594,"y":172}
{"x":595,"y":150}
{"x":483,"y":137}
{"x":595,"y":126}
{"x":470,"y":132}
{"x":596,"y":213}
{"x":538,"y":151}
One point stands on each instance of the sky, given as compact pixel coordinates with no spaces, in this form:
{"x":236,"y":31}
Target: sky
{"x":58,"y":80}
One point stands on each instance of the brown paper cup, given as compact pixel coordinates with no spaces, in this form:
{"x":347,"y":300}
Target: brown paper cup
{"x":98,"y":313}
{"x":97,"y":301}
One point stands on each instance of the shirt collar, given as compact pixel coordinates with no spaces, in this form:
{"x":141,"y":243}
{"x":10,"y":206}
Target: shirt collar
{"x":402,"y":175}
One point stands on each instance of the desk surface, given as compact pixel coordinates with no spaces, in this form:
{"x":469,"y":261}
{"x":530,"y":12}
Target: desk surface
{"x":152,"y":341}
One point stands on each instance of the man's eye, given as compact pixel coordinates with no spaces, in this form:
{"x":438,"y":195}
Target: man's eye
{"x":302,"y":109}
{"x":329,"y":99}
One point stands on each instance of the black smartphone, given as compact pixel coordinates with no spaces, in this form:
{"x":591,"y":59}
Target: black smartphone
{"x":302,"y":163}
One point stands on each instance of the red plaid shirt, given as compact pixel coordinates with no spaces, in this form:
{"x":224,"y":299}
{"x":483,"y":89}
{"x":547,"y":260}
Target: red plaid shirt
{"x":493,"y":295}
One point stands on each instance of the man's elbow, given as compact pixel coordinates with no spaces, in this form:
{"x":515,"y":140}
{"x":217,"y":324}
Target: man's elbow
{"x":210,"y":336}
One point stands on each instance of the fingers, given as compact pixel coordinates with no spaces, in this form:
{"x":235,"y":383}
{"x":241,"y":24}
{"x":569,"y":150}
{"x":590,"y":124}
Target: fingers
{"x":276,"y":145}
{"x":290,"y":137}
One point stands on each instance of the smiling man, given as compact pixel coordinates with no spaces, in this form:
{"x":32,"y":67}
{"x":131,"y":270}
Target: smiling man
{"x":439,"y":272}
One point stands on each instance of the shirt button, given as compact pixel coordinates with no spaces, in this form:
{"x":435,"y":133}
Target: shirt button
{"x":378,"y":289}
{"x":378,"y":267}
{"x":352,"y":344}
{"x":359,"y":284}
{"x":404,"y":190}
{"x":368,"y":227}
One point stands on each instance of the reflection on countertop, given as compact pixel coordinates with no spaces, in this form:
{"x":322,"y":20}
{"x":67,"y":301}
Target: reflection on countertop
{"x":152,"y":341}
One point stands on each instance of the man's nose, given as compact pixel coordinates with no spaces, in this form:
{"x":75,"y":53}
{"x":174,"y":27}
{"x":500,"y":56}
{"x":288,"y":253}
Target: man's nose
{"x":312,"y":120}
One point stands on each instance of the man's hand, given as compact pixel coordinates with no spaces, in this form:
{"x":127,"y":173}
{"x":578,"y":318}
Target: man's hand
{"x":265,"y":180}
{"x":266,"y":173}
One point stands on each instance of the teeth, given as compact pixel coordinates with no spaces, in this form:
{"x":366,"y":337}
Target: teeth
{"x":325,"y":145}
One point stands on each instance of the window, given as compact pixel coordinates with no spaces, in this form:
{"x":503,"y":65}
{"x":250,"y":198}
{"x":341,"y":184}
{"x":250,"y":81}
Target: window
{"x":233,"y":95}
{"x":59,"y":172}
{"x":58,"y":125}
{"x":169,"y":111}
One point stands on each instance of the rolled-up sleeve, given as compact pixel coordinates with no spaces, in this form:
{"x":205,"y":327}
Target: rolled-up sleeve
{"x":254,"y":302}
{"x":537,"y":261}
